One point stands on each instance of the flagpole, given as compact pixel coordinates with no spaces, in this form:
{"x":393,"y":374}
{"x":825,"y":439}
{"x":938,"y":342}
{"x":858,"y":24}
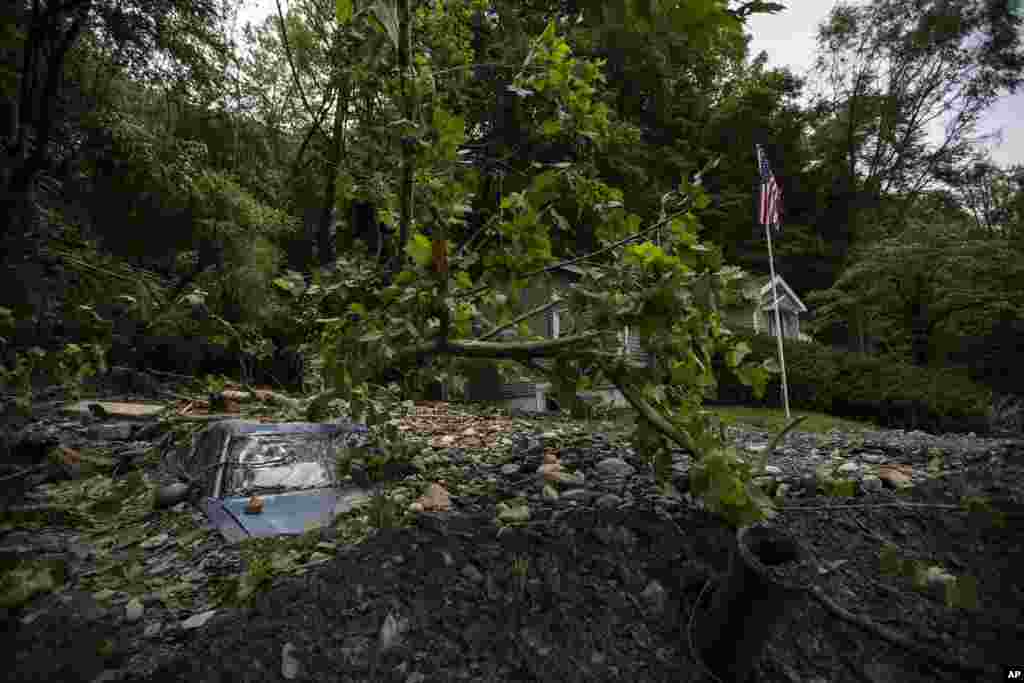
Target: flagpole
{"x":778,"y":320}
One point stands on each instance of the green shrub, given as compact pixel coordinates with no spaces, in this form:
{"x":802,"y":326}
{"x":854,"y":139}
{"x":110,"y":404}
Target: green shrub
{"x":883,"y":389}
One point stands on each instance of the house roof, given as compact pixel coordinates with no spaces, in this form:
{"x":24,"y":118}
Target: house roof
{"x":766,"y":287}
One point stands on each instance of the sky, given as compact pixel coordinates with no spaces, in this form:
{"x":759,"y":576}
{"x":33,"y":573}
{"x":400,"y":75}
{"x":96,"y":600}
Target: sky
{"x":789,"y":39}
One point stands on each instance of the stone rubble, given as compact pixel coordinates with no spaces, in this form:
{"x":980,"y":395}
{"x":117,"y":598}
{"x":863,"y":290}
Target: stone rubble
{"x":600,"y":473}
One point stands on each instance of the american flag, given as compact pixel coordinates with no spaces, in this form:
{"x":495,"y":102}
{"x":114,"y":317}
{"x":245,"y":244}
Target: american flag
{"x":771,"y":193}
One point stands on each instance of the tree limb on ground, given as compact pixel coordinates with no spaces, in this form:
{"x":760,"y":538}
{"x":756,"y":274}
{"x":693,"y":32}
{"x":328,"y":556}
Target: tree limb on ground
{"x":895,"y":637}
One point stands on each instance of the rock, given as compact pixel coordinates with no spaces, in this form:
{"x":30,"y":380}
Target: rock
{"x":871,"y":484}
{"x":782,"y":491}
{"x":510,"y":469}
{"x":116,"y":431}
{"x":472,"y":573}
{"x":528,"y":444}
{"x":615,"y":467}
{"x":133,"y":610}
{"x":289,"y":664}
{"x":198,"y":620}
{"x":773,"y":470}
{"x":580,"y":495}
{"x":608,"y":501}
{"x":896,"y":476}
{"x":391,"y":632}
{"x":153,"y":629}
{"x":848,"y":468}
{"x":655,"y":595}
{"x":154,"y":542}
{"x":436,"y":498}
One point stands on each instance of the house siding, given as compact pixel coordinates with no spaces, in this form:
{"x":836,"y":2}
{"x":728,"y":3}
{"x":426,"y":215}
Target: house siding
{"x":486,"y":385}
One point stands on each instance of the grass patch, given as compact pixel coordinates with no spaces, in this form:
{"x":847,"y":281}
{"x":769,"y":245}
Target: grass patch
{"x":621,"y":420}
{"x":774,"y":419}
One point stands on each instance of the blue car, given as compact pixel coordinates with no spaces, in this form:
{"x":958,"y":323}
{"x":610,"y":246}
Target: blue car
{"x":290,"y":467}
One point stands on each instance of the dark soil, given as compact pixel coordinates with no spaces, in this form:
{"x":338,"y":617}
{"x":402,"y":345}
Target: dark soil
{"x":569,"y":597}
{"x":581,"y":615}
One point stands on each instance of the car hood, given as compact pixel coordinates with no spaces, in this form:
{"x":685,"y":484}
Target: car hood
{"x":283,"y":514}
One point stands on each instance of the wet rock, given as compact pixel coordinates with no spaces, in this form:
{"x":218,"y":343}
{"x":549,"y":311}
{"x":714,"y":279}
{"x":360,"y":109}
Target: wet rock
{"x":133,"y":610}
{"x":198,"y":620}
{"x":615,"y":467}
{"x":609,"y":501}
{"x":871,"y":484}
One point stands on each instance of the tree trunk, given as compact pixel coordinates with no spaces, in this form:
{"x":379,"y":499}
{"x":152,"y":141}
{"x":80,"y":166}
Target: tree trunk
{"x":326,"y":227}
{"x":920,"y":334}
{"x":406,"y":189}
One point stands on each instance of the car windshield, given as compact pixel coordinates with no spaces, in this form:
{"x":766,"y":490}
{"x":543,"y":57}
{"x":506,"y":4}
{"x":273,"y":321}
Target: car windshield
{"x":275,"y":464}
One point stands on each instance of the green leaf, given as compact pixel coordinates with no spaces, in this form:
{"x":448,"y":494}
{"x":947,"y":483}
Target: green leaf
{"x":889,"y":559}
{"x":420,"y":250}
{"x":343,"y":11}
{"x":387,"y":15}
{"x":962,"y":593}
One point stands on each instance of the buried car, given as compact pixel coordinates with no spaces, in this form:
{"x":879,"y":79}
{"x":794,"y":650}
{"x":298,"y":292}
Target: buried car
{"x":255,"y":479}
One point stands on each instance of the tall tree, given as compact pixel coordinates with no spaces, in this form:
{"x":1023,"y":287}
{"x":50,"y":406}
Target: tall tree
{"x":893,"y":72}
{"x":38,"y":40}
{"x":929,"y":278}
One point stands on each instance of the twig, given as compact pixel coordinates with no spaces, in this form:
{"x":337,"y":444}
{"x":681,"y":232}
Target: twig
{"x":881,"y":539}
{"x":689,"y":632}
{"x":894,"y":637}
{"x":26,"y":471}
{"x":935,"y":506}
{"x":571,"y":261}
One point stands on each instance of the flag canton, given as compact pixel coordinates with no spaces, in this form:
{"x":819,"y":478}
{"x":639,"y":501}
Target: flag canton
{"x":766,"y":170}
{"x":771,"y":193}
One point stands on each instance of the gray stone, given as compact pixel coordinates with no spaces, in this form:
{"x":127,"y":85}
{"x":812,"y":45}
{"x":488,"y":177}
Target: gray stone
{"x":510,"y":469}
{"x":772,"y":469}
{"x":608,"y":501}
{"x":871,"y":484}
{"x":289,"y":664}
{"x":654,"y":595}
{"x":472,"y":573}
{"x":848,"y":468}
{"x":615,"y":467}
{"x":133,"y":610}
{"x":154,"y":542}
{"x":116,"y":431}
{"x":198,"y":620}
{"x":581,"y":495}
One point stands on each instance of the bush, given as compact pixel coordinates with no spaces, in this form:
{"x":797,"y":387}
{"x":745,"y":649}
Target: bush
{"x":882,"y":389}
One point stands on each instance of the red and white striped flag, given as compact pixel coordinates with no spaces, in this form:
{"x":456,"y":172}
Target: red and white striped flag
{"x":771,"y":193}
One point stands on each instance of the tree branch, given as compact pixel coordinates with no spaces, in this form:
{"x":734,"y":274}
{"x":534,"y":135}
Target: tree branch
{"x":571,"y":261}
{"x":515,"y":321}
{"x":633,"y":397}
{"x":295,"y":73}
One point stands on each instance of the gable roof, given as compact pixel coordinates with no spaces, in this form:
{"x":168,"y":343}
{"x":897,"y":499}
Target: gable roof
{"x":766,"y":287}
